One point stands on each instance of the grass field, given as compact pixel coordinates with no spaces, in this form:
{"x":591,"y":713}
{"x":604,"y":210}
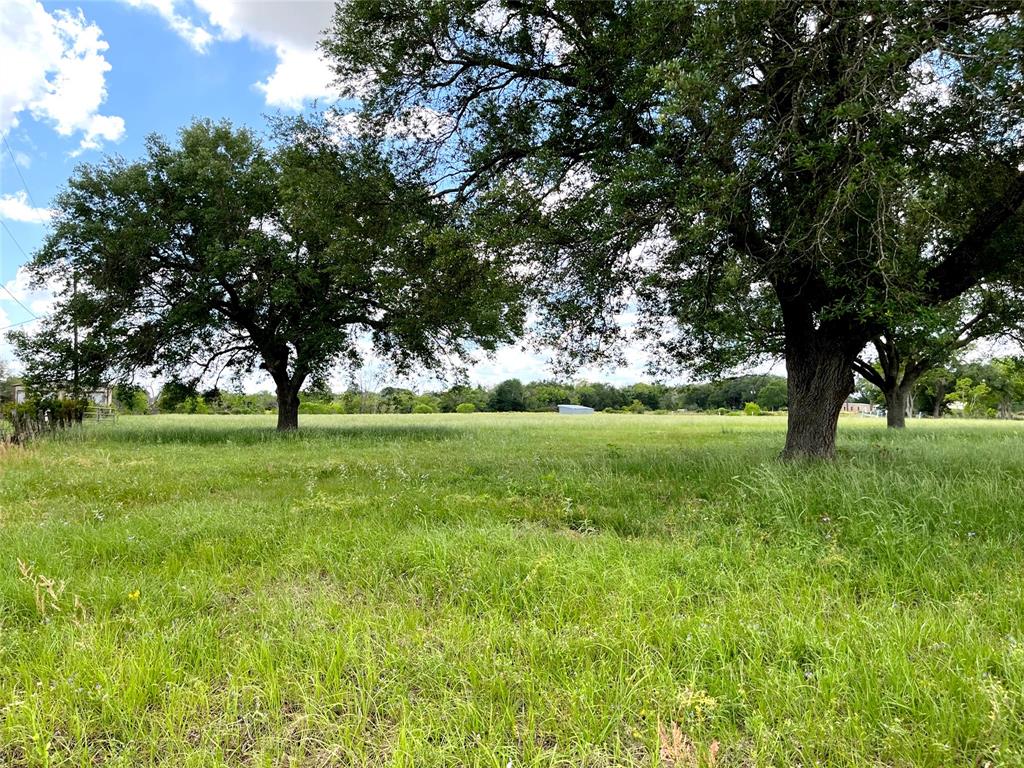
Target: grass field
{"x":509,"y":591}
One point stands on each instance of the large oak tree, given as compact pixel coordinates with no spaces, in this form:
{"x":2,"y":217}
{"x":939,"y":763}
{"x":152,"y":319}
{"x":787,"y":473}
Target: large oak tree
{"x":219,"y":252}
{"x":839,"y":166}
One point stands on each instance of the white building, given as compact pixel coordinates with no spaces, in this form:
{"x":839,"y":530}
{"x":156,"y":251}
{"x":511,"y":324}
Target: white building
{"x":102,"y":396}
{"x":574,"y":409}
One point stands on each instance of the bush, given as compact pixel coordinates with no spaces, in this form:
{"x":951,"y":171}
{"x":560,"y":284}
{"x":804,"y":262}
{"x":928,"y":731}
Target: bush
{"x":318,"y":407}
{"x":752,"y":409}
{"x":465,"y":408}
{"x":423,"y":408}
{"x":635,"y":407}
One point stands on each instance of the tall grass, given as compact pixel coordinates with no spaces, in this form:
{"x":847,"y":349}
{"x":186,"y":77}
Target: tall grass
{"x":526,"y":590}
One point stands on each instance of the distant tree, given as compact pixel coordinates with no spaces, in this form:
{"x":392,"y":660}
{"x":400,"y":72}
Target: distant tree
{"x":509,"y":395}
{"x":903,"y":355}
{"x":648,"y":394}
{"x":173,"y":395}
{"x":432,"y":402}
{"x":452,"y":398}
{"x":754,"y":178}
{"x":396,"y":400}
{"x":6,"y":385}
{"x":696,"y":396}
{"x":218,"y":252}
{"x":131,"y":398}
{"x":735,"y":391}
{"x":772,"y":395}
{"x":998,"y":386}
{"x":547,"y":395}
{"x":600,"y":396}
{"x":972,"y":396}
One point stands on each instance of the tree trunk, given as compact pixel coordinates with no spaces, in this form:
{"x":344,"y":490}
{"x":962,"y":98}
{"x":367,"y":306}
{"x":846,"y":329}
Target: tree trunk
{"x":820,"y":378}
{"x":897,"y":403}
{"x":940,"y":398}
{"x":287,"y":408}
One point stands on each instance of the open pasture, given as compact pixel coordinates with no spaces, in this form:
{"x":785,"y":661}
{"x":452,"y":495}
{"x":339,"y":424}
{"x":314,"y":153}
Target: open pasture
{"x":511,"y":590}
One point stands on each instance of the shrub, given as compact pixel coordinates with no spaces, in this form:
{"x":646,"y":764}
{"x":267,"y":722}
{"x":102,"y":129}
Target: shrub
{"x":318,"y":407}
{"x":752,"y":409}
{"x":423,"y":408}
{"x":635,"y":407}
{"x":465,"y":408}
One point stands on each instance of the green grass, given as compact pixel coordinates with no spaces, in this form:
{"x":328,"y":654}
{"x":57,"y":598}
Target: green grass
{"x":512,"y":590}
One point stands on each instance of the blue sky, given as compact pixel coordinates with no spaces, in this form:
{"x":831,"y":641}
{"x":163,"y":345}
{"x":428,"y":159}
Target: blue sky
{"x":81,"y":80}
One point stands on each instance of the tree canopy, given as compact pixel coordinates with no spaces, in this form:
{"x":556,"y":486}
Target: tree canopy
{"x":752,"y":177}
{"x":220,"y":253}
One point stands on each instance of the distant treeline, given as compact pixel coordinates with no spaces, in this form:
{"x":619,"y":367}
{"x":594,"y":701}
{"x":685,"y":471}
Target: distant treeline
{"x":731,"y":394}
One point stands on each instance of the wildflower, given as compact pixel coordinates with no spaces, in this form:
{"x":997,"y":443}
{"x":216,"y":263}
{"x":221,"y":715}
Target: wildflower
{"x":133,"y":595}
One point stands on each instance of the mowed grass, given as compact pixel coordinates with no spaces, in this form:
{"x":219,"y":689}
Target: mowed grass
{"x":520,"y":590}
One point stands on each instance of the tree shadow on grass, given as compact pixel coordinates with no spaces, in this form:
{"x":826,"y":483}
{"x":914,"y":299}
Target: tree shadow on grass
{"x":235,"y":435}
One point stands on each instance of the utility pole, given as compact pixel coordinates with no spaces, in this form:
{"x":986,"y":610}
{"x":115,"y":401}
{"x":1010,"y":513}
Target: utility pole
{"x":74,"y":334}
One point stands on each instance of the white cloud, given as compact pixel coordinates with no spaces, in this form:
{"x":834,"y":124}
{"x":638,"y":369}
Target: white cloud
{"x":291,"y":28}
{"x":299,"y":75}
{"x":196,"y":36}
{"x":54,"y":68}
{"x":16,"y":207}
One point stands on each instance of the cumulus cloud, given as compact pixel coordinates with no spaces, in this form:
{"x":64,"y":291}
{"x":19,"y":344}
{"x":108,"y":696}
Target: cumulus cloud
{"x":55,"y":70}
{"x":16,"y":207}
{"x":300,"y":75}
{"x":291,"y":29}
{"x":193,"y":34}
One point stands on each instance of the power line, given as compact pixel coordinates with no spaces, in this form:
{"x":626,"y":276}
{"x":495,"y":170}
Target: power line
{"x":14,"y":239}
{"x":3,"y":285}
{"x":15,"y":325}
{"x":17,"y":168}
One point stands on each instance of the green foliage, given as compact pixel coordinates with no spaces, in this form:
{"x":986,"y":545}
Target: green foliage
{"x":548,"y":395}
{"x":465,"y":408}
{"x":509,"y":395}
{"x":174,"y":397}
{"x":773,"y":395}
{"x":131,"y":398}
{"x":320,"y":407}
{"x":752,"y":409}
{"x":798,"y":177}
{"x":218,"y":251}
{"x":972,"y":396}
{"x":450,"y":399}
{"x":424,"y":408}
{"x":396,"y":400}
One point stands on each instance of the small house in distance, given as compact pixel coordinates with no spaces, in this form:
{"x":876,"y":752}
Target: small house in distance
{"x":574,"y":409}
{"x":103,"y":396}
{"x":861,"y":409}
